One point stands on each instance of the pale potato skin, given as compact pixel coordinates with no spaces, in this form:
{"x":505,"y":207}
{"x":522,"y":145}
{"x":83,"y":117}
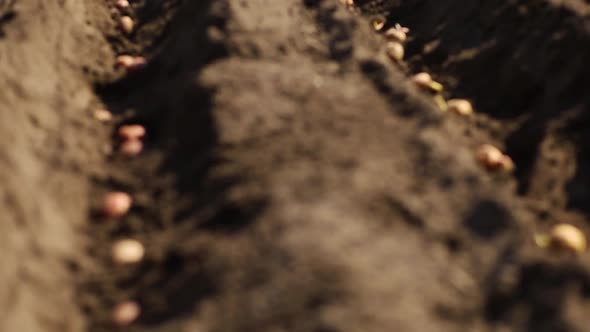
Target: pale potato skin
{"x":568,"y":237}
{"x":127,"y":24}
{"x":129,"y":132}
{"x":116,"y":204}
{"x":122,"y":4}
{"x":396,"y":35}
{"x":127,"y":251}
{"x":460,"y":106}
{"x":103,"y":115}
{"x":492,"y":159}
{"x":422,"y":80}
{"x":131,"y":147}
{"x":395,"y":51}
{"x":125,"y":60}
{"x":125,"y":313}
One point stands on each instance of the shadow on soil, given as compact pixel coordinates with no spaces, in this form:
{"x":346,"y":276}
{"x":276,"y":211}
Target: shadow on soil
{"x":176,"y":209}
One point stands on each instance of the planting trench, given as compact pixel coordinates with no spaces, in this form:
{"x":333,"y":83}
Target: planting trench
{"x":293,"y":179}
{"x":522,"y":64}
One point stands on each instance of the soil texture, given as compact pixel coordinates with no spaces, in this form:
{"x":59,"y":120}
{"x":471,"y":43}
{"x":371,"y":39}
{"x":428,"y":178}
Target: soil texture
{"x":293,"y":177}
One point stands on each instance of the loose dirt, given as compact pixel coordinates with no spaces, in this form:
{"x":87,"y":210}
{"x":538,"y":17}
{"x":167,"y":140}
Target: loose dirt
{"x":292,"y":177}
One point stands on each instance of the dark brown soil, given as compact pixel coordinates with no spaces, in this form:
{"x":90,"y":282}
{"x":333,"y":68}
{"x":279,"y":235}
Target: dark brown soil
{"x":293,"y":178}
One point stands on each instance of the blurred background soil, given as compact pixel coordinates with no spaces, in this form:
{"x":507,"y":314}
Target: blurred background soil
{"x":293,"y":179}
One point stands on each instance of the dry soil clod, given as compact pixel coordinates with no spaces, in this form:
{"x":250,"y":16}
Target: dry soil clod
{"x":127,"y":251}
{"x":460,"y":106}
{"x":125,"y":313}
{"x":567,"y":237}
{"x":126,"y":23}
{"x":395,"y":51}
{"x":116,"y":204}
{"x":492,"y":159}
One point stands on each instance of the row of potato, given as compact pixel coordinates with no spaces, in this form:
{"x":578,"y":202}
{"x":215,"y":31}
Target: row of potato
{"x":117,"y":204}
{"x":562,"y":236}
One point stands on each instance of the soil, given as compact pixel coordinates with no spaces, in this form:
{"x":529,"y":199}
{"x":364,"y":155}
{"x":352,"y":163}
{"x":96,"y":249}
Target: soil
{"x":293,"y":177}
